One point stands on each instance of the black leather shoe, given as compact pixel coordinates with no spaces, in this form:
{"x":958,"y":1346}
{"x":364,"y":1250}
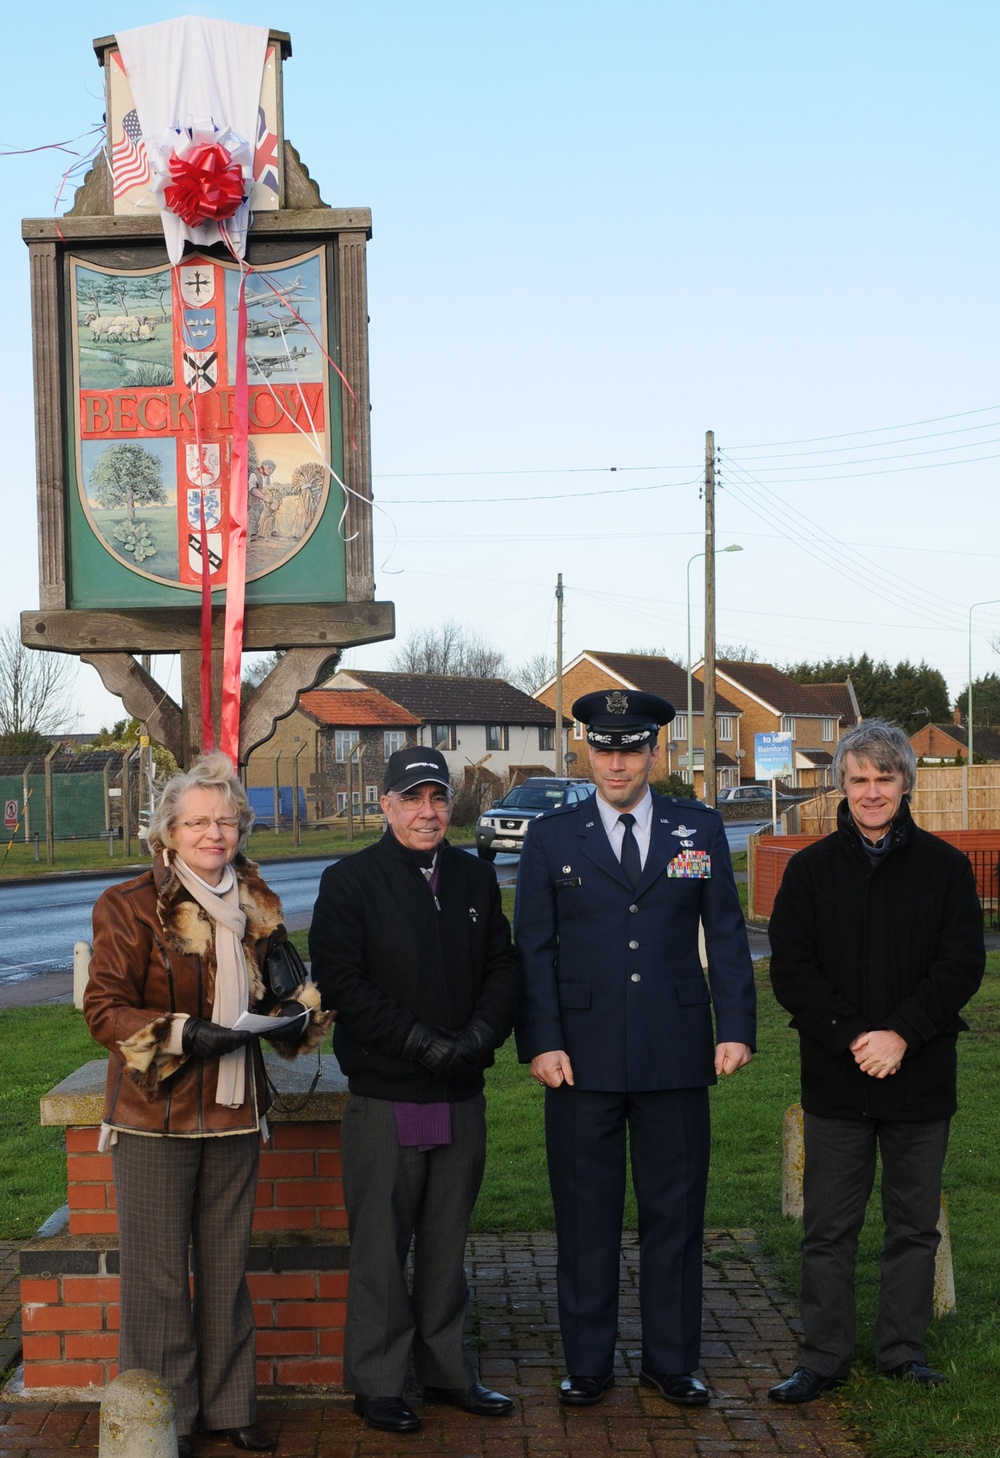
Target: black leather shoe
{"x":678,"y":1387}
{"x":252,"y":1438}
{"x":387,"y":1414}
{"x":803,"y":1386}
{"x":185,"y":1445}
{"x":475,"y":1399}
{"x":577,"y":1391}
{"x":915,"y":1372}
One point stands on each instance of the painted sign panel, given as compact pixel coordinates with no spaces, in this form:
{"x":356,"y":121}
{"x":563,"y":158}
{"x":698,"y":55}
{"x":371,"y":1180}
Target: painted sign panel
{"x":130,"y":165}
{"x":154,"y":369}
{"x":772,"y":756}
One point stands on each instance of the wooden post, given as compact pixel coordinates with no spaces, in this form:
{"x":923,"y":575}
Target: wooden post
{"x":50,"y":832}
{"x":709,"y":780}
{"x":277,"y":795}
{"x":296,"y":823}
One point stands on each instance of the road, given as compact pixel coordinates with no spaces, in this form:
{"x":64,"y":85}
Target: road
{"x":40,"y":920}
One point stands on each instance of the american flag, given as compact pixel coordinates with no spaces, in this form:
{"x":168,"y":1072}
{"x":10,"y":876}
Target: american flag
{"x":265,"y":157}
{"x":129,"y":163}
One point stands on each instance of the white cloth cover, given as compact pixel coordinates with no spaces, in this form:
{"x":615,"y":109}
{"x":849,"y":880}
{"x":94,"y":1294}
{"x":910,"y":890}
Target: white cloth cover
{"x":189,"y":73}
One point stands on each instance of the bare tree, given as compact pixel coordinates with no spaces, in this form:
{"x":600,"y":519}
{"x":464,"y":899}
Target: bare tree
{"x":736,"y":653}
{"x":35,"y":690}
{"x":531,"y":675}
{"x":451,"y":649}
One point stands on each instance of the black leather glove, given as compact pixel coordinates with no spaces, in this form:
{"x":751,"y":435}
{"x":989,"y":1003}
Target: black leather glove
{"x":205,"y":1039}
{"x":472,"y":1043}
{"x":294,"y":1032}
{"x":433,"y":1050}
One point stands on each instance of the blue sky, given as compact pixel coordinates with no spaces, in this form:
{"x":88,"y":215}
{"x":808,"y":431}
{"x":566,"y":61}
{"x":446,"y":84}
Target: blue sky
{"x":597,"y":234}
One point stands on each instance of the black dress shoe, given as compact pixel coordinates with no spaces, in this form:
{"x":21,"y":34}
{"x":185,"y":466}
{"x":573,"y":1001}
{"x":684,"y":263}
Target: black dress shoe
{"x":915,"y":1372}
{"x":678,"y":1387}
{"x":475,"y":1399}
{"x":252,"y":1438}
{"x":803,"y":1386}
{"x":387,"y":1414}
{"x":185,"y":1445}
{"x":577,"y":1391}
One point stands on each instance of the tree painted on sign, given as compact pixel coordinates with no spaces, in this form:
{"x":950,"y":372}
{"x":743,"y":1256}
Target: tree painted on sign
{"x":127,"y":476}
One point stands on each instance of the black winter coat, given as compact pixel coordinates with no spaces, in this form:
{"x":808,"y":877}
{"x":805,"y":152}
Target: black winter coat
{"x":858,"y":945}
{"x":385,"y":957}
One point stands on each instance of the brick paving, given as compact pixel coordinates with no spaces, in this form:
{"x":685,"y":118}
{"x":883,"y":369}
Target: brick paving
{"x":749,"y":1343}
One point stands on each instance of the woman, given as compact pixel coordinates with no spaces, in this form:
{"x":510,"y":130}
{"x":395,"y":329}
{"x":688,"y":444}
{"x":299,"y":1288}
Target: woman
{"x":178,"y":957}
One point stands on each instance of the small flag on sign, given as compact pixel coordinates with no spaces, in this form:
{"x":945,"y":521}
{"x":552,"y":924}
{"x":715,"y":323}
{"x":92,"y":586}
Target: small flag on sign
{"x":265,"y":157}
{"x":129,"y":163}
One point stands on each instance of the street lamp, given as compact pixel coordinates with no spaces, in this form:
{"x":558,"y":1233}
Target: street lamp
{"x":733,"y":547}
{"x":989,"y":602}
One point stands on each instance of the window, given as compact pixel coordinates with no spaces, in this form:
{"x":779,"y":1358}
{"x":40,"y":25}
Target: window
{"x":342,"y":800}
{"x":577,"y":729}
{"x":496,"y":736}
{"x":546,"y":736}
{"x":371,"y":794}
{"x":393,"y":739}
{"x":725,"y":726}
{"x":344,"y":741}
{"x":441,"y":736}
{"x":679,"y":729}
{"x":788,"y":725}
{"x":827,"y":731}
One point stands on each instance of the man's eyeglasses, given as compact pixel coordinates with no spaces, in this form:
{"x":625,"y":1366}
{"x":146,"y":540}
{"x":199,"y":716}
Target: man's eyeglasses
{"x":202,"y":822}
{"x":411,"y":800}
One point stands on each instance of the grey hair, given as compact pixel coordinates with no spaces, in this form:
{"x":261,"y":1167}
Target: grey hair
{"x":213,"y":771}
{"x":884,"y":745}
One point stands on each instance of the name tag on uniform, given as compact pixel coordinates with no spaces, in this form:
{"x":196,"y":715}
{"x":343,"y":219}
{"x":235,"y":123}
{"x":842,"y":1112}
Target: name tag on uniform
{"x":691,"y":865}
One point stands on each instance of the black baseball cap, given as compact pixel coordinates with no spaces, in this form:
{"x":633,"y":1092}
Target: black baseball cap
{"x":415,"y":766}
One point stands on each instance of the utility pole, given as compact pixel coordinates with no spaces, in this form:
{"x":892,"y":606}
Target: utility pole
{"x":709,"y":776}
{"x":560,"y":768}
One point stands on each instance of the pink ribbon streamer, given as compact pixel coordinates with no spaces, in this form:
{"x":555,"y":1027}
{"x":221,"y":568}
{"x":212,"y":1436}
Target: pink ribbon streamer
{"x":237,"y":555}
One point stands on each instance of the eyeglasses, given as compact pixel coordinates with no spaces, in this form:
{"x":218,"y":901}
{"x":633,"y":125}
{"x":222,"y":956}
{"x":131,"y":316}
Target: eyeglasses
{"x":411,"y":799}
{"x":202,"y":823}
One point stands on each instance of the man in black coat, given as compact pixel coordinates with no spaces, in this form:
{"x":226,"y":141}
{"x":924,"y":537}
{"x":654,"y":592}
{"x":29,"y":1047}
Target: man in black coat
{"x":876,"y":945}
{"x":410,"y":945}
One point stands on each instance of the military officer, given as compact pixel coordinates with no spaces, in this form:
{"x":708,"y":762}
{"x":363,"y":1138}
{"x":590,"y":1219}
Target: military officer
{"x":616,"y":1022}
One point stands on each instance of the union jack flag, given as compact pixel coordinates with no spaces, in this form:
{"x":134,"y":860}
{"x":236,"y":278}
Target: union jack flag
{"x":265,"y":157}
{"x":129,"y":163}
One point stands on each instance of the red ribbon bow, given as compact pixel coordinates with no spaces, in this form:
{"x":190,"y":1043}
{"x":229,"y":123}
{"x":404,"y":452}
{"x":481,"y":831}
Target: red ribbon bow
{"x":207,"y":185}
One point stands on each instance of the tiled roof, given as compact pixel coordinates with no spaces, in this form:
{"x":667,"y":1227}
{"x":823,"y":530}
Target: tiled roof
{"x":816,"y":757}
{"x":444,"y":699}
{"x":776,"y":689}
{"x":652,"y":674}
{"x":839,"y":697}
{"x":355,"y":708}
{"x":986,"y":743}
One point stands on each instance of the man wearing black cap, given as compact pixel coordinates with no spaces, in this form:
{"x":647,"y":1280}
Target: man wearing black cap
{"x":409,"y":943}
{"x":616,"y":1022}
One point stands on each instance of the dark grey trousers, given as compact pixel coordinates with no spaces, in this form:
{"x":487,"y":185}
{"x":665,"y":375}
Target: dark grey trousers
{"x":171,"y":1193}
{"x":393,"y":1196}
{"x":840,"y":1157}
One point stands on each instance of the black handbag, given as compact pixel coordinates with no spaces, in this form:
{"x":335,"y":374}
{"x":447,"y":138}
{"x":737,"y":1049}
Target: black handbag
{"x":285,"y":969}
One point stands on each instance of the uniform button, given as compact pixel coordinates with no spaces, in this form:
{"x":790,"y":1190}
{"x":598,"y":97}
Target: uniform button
{"x":633,"y":946}
{"x":633,"y":908}
{"x":636,"y":976}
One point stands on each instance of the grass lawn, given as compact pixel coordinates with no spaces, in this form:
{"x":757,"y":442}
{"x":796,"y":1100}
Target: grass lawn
{"x":39,"y":1046}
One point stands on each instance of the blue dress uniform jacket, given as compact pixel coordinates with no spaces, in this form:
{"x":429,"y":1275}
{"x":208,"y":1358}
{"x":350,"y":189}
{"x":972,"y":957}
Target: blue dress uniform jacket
{"x":613,"y":976}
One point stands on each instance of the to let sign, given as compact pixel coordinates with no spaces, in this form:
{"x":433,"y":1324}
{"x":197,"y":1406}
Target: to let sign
{"x":772,"y":756}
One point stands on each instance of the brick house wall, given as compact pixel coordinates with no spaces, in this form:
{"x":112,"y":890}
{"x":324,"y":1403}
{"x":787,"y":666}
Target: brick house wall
{"x":934,"y":742}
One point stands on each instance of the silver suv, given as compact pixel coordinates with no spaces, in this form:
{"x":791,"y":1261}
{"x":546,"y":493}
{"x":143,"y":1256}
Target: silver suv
{"x":503,"y":827}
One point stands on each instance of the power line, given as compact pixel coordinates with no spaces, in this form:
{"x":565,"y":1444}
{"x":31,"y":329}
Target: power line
{"x":873,"y":430}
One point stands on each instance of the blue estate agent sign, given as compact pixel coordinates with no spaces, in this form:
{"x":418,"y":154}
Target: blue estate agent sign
{"x":772,"y":756}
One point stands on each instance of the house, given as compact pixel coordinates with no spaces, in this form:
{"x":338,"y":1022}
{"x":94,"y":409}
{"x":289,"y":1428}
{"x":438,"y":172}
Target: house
{"x":653,"y":674}
{"x":486,"y":728}
{"x":949,"y":743}
{"x":317,"y":744}
{"x":773,"y":702}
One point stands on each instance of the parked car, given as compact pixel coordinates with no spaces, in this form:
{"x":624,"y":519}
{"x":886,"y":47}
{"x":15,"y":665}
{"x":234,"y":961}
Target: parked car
{"x":503,"y":827}
{"x":741,"y":794}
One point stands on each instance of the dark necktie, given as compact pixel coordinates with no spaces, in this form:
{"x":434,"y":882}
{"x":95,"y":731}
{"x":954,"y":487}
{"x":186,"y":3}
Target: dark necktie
{"x":631,"y":860}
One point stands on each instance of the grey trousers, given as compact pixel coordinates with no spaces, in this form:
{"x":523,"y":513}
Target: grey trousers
{"x":840,"y":1159}
{"x":393,"y":1196}
{"x":171,"y":1193}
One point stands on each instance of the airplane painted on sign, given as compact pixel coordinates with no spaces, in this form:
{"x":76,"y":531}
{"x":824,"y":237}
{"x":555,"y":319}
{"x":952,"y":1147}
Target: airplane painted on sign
{"x":266,"y":364}
{"x":278,"y":294}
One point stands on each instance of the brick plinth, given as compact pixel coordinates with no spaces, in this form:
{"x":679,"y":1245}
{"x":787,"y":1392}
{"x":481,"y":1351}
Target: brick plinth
{"x":297,"y":1271}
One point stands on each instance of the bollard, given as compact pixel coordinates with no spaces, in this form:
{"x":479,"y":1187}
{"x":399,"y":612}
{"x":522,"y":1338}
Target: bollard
{"x":793,"y":1162}
{"x":38,"y":849}
{"x":792,"y":1168}
{"x":944,"y":1271}
{"x":138,"y":1418}
{"x":82,"y":953}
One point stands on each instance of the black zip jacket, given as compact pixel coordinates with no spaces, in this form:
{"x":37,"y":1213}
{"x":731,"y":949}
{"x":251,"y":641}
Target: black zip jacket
{"x":386,"y":957}
{"x":858,"y":945}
